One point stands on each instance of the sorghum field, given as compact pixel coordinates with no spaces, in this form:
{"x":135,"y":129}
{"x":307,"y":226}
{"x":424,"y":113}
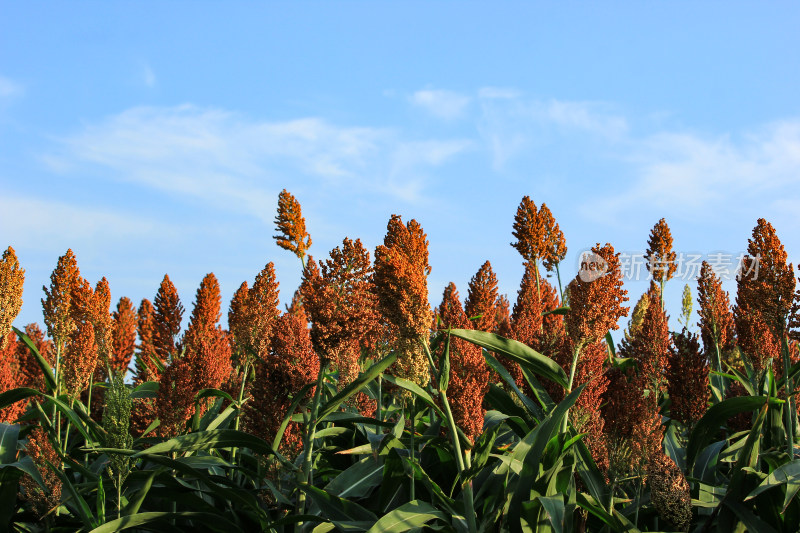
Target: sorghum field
{"x":360,"y":408}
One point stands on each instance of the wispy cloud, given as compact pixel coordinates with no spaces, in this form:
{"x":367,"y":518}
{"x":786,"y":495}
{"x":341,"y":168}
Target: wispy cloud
{"x":54,"y":224}
{"x":148,"y":76}
{"x":10,"y":88}
{"x":711,"y":177}
{"x":231,"y":162}
{"x":440,"y":103}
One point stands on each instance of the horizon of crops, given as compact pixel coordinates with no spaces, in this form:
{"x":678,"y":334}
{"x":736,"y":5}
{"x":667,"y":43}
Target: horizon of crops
{"x":360,"y":408}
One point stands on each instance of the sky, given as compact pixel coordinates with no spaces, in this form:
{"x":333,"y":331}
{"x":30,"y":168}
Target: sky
{"x":153,"y":138}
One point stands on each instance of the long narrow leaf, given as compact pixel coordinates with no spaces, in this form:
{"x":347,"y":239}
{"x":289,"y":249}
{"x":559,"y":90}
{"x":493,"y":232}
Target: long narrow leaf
{"x":49,"y":379}
{"x":371,"y":373}
{"x":522,"y":354}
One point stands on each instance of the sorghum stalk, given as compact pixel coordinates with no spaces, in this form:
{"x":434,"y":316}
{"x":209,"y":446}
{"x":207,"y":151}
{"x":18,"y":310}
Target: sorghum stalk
{"x":310,"y":434}
{"x":461,"y":459}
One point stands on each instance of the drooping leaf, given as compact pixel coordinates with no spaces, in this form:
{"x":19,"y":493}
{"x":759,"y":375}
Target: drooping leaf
{"x":412,"y":515}
{"x":517,"y":351}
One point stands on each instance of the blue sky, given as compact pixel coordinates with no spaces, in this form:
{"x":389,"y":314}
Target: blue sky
{"x":155,"y":138}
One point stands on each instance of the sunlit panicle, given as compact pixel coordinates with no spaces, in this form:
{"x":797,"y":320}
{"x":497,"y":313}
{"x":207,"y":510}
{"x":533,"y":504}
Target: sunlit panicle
{"x":57,"y":304}
{"x":716,"y":319}
{"x":687,"y":379}
{"x":12,"y":277}
{"x":167,"y":316}
{"x":291,"y":226}
{"x":596,"y":305}
{"x":481,"y":299}
{"x":338,"y":297}
{"x":145,"y":368}
{"x":660,"y":259}
{"x":39,"y":448}
{"x":124,"y":336}
{"x":469,"y":376}
{"x":401,"y":281}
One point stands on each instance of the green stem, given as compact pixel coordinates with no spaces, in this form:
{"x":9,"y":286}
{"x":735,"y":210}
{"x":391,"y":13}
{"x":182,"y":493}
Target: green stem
{"x":306,"y":473}
{"x":239,"y":410}
{"x":56,"y":412}
{"x":413,"y":489}
{"x":560,"y":290}
{"x":379,"y":414}
{"x":788,"y":407}
{"x":461,"y":461}
{"x":572,"y":369}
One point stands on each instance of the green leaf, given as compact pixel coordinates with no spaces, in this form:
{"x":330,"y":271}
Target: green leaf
{"x":417,"y":390}
{"x":9,"y":433}
{"x":14,"y":395}
{"x":289,"y":413}
{"x":335,"y":508}
{"x":554,"y":506}
{"x":135,"y":503}
{"x":358,"y":480}
{"x":411,"y":515}
{"x":787,"y":474}
{"x":370,"y":374}
{"x":49,"y":380}
{"x":533,"y":409}
{"x":213,"y":520}
{"x":522,"y":354}
{"x":213,"y":393}
{"x":148,"y":389}
{"x":214,"y":439}
{"x":716,"y":417}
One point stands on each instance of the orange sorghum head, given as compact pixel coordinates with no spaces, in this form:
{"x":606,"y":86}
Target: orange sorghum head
{"x":290,"y":365}
{"x":596,"y":306}
{"x":46,"y":459}
{"x":263,"y":310}
{"x":469,"y":376}
{"x":205,"y":314}
{"x":145,"y":369}
{"x":481,"y":299}
{"x":338,"y":297}
{"x":57,"y":303}
{"x":167,"y":316}
{"x":766,"y":282}
{"x":10,"y":377}
{"x":12,"y":278}
{"x":687,"y":379}
{"x":401,"y":282}
{"x":660,"y":257}
{"x":124,"y":336}
{"x":79,"y":359}
{"x":716,"y":319}
{"x":291,"y":225}
{"x":538,"y":235}
{"x":650,"y":343}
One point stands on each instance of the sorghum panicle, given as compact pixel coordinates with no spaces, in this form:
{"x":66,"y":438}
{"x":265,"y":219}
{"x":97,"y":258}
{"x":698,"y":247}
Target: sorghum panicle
{"x":469,"y":375}
{"x":481,"y":299}
{"x":596,"y":306}
{"x":167,"y":316}
{"x":401,"y":283}
{"x":291,"y":226}
{"x":660,"y":259}
{"x":12,"y":277}
{"x":687,"y":379}
{"x":716,"y":319}
{"x":338,"y":297}
{"x":41,"y":451}
{"x":57,"y":304}
{"x":123,"y":340}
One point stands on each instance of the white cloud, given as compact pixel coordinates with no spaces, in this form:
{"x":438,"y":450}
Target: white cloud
{"x":715,"y":176}
{"x":230,"y":162}
{"x":51,"y":224}
{"x":9,"y":88}
{"x":443,"y":104}
{"x":148,"y":76}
